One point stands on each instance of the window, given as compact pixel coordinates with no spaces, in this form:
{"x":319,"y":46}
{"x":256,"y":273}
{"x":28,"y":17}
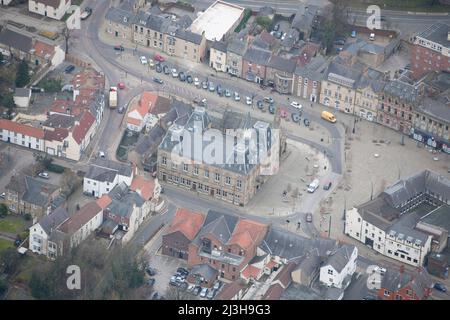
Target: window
{"x":228,"y":180}
{"x":196,"y":170}
{"x":239,"y":184}
{"x":398,"y":297}
{"x":185,"y":167}
{"x":206,"y":174}
{"x":387,"y":293}
{"x":217,"y":177}
{"x":330,"y":271}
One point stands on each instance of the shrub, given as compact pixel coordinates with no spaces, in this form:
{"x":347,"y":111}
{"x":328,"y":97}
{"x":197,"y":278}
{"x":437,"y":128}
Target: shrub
{"x":27,"y":217}
{"x":55,"y":168}
{"x":3,"y":210}
{"x":241,"y":25}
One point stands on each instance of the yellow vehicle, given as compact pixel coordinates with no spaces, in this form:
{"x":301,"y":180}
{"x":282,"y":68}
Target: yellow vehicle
{"x":328,"y":116}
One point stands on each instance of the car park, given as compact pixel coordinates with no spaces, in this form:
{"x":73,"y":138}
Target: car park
{"x":69,"y":68}
{"x":260,"y":104}
{"x":189,"y":79}
{"x":205,"y":85}
{"x":248,"y":100}
{"x":44,"y":175}
{"x":157,"y":80}
{"x":227,"y":93}
{"x":295,"y":117}
{"x":309,"y":217}
{"x":212,"y":88}
{"x":196,"y":82}
{"x":143,"y":60}
{"x":182,"y":76}
{"x":158,"y":68}
{"x":237,"y":97}
{"x":204,"y":292}
{"x":166,"y":69}
{"x":296,"y":105}
{"x":159,"y":58}
{"x":119,"y":48}
{"x":174,"y":73}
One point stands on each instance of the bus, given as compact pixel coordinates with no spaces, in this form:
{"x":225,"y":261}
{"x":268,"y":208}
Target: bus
{"x":328,"y":116}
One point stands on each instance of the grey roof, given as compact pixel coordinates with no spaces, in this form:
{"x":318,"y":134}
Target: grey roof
{"x":123,"y":200}
{"x":438,"y":108}
{"x":282,"y":64}
{"x":257,"y":56}
{"x":257,"y":259}
{"x":188,"y":36}
{"x":205,"y":271}
{"x":375,"y":85}
{"x":22,"y":92}
{"x":54,"y":219}
{"x":59,"y":121}
{"x":258,"y":42}
{"x":153,"y":22}
{"x":313,"y":70}
{"x":333,"y":293}
{"x":291,"y":246}
{"x":220,"y":224}
{"x":402,"y":90}
{"x":438,"y":33}
{"x":379,"y":213}
{"x":419,"y":280}
{"x":340,"y":258}
{"x":120,"y":16}
{"x":220,"y":46}
{"x":304,"y":17}
{"x":237,"y":46}
{"x":291,"y":38}
{"x":32,"y":190}
{"x":439,"y":217}
{"x":151,"y":141}
{"x":106,"y":170}
{"x":309,"y":264}
{"x":15,"y":40}
{"x":338,"y":72}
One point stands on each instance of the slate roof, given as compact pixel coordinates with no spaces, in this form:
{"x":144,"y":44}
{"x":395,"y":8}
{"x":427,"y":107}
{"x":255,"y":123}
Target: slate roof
{"x":437,"y":108}
{"x":220,"y":224}
{"x":220,"y":46}
{"x":106,"y":170}
{"x":419,"y":280}
{"x":188,"y":36}
{"x":313,"y":70}
{"x":22,"y":92}
{"x":15,"y":40}
{"x":53,"y":220}
{"x":148,"y":143}
{"x":340,"y":71}
{"x":31,"y":190}
{"x":237,"y":46}
{"x":304,"y":17}
{"x":282,"y":64}
{"x":123,"y":200}
{"x":120,"y":16}
{"x":340,"y":258}
{"x":438,"y":33}
{"x":59,"y":121}
{"x":402,"y":90}
{"x":80,"y":218}
{"x":257,"y":56}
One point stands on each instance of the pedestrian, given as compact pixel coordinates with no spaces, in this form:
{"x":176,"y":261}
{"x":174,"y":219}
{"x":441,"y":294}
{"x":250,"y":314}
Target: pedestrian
{"x":311,"y":105}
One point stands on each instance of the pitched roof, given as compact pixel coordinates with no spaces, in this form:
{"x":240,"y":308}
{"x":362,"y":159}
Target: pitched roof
{"x":248,"y":233}
{"x":230,"y":290}
{"x":51,"y":3}
{"x":250,"y":272}
{"x":220,"y":46}
{"x":284,"y":275}
{"x":188,"y":36}
{"x":43,"y":50}
{"x":187,"y":222}
{"x":419,"y":280}
{"x":124,"y":200}
{"x":219,"y":224}
{"x":274,"y":292}
{"x":15,"y":40}
{"x":340,"y":258}
{"x":80,"y":218}
{"x":53,"y":220}
{"x":80,"y":130}
{"x":104,"y":201}
{"x":145,"y":103}
{"x":21,"y":128}
{"x":282,"y":64}
{"x":106,"y":170}
{"x":22,"y":92}
{"x":258,"y":56}
{"x":120,"y":16}
{"x":143,"y":187}
{"x":58,"y":134}
{"x":32,"y":190}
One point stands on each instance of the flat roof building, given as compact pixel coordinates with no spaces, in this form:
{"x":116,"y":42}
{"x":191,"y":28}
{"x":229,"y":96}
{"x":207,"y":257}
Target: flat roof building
{"x":218,"y":20}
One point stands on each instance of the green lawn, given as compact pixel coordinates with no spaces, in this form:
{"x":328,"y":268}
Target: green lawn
{"x":5,"y":244}
{"x":12,"y":224}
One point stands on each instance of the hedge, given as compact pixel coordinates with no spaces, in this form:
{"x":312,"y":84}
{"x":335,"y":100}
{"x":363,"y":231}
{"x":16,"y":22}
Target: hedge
{"x":247,"y":15}
{"x":55,"y":168}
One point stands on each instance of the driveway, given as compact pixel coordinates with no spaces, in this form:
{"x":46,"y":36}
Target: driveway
{"x":165,"y":267}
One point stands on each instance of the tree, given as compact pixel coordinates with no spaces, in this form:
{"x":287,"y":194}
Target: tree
{"x":3,"y":210}
{"x":70,"y":182}
{"x":22,"y":75}
{"x":264,"y":22}
{"x":173,"y":293}
{"x":3,"y":286}
{"x":11,"y":261}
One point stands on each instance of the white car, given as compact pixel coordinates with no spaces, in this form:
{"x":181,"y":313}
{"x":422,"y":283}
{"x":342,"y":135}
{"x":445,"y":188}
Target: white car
{"x":237,"y":97}
{"x":196,"y":82}
{"x":143,"y":60}
{"x":248,"y":100}
{"x":101,"y":154}
{"x":296,"y":105}
{"x":204,"y":292}
{"x":44,"y":175}
{"x":3,"y":195}
{"x":174,"y":73}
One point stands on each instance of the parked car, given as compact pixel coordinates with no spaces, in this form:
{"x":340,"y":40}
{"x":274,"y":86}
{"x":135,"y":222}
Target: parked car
{"x":204,"y":292}
{"x":327,"y":186}
{"x":69,"y":68}
{"x":353,"y":35}
{"x":155,"y":296}
{"x":150,"y":271}
{"x":339,"y":42}
{"x":143,"y":60}
{"x":166,"y":69}
{"x":158,"y":68}
{"x":295,"y":117}
{"x":151,"y":63}
{"x":36,"y":89}
{"x":121,"y":85}
{"x":276,"y":27}
{"x":182,"y":270}
{"x":219,"y":90}
{"x":174,"y":73}
{"x":217,"y":285}
{"x":248,"y":100}
{"x":44,"y":175}
{"x":268,"y":100}
{"x":151,"y":282}
{"x":182,"y":76}
{"x":440,"y":287}
{"x":196,"y":82}
{"x":211,"y":294}
{"x":3,"y":195}
{"x":309,"y":217}
{"x":159,"y":58}
{"x":158,"y":80}
{"x":272,"y":109}
{"x":173,"y":281}
{"x":212,"y":88}
{"x":236,"y":96}
{"x":296,"y":105}
{"x":205,"y":85}
{"x":121,"y":110}
{"x":306,"y":122}
{"x":260,"y":104}
{"x":189,"y":79}
{"x":278,"y":35}
{"x":119,"y":48}
{"x":183,"y":286}
{"x":86,"y":13}
{"x":227,"y":93}
{"x":196,"y":290}
{"x":190,"y":288}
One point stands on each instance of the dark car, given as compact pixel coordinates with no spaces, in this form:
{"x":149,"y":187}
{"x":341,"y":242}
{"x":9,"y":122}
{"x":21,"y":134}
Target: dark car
{"x":166,"y":69}
{"x":36,"y":89}
{"x":151,"y":282}
{"x":260,"y":104}
{"x":339,"y":42}
{"x":327,"y":186}
{"x":189,"y":79}
{"x":370,"y":297}
{"x":119,"y":48}
{"x":182,"y":76}
{"x":158,"y":68}
{"x":306,"y":122}
{"x":151,"y":272}
{"x":277,"y":26}
{"x":182,"y":271}
{"x":272,"y":109}
{"x":440,"y":287}
{"x":155,"y":296}
{"x":219,"y":90}
{"x":69,"y":68}
{"x":158,"y":80}
{"x":205,"y":85}
{"x":295,"y":117}
{"x":197,"y":290}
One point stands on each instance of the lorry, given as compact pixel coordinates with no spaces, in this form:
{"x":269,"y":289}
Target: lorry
{"x":313,"y":186}
{"x":113,"y":97}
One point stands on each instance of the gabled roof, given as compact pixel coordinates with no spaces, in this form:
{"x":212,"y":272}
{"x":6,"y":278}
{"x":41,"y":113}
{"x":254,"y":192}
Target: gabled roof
{"x":120,"y":16}
{"x":53,"y":220}
{"x":123,"y":201}
{"x":419,"y":280}
{"x":284,"y":275}
{"x":144,"y":187}
{"x":145,"y":103}
{"x":22,"y":92}
{"x":80,"y":130}
{"x":43,"y":50}
{"x":15,"y":40}
{"x":21,"y":128}
{"x":105,"y":170}
{"x":219,"y":224}
{"x":104,"y":201}
{"x":248,"y":233}
{"x":32,"y":190}
{"x":220,"y":46}
{"x":51,"y":3}
{"x":341,"y":257}
{"x":250,"y":272}
{"x":274,"y":292}
{"x":188,"y":36}
{"x":230,"y":290}
{"x":80,"y":218}
{"x":58,"y":134}
{"x":187,"y":222}
{"x":258,"y":56}
{"x":282,"y":64}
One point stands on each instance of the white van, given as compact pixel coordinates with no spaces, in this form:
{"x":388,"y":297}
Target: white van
{"x":313,"y":186}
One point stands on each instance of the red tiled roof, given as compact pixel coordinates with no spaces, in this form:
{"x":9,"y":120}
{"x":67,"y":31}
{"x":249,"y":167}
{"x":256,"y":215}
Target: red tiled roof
{"x":61,"y":106}
{"x":248,"y":233}
{"x":145,"y":104}
{"x":58,"y":134}
{"x":271,"y":264}
{"x":187,"y":222}
{"x":21,"y":128}
{"x":310,"y":50}
{"x":80,"y":130}
{"x":268,"y":38}
{"x":274,"y":292}
{"x":104,"y":201}
{"x":250,"y":272}
{"x":42,"y":49}
{"x":134,"y":121}
{"x":284,"y":276}
{"x":230,"y":290}
{"x":143,"y":186}
{"x":80,"y":218}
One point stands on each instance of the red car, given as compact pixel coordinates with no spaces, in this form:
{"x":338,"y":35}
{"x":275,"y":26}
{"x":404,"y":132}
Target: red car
{"x":159,"y":58}
{"x":121,"y":85}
